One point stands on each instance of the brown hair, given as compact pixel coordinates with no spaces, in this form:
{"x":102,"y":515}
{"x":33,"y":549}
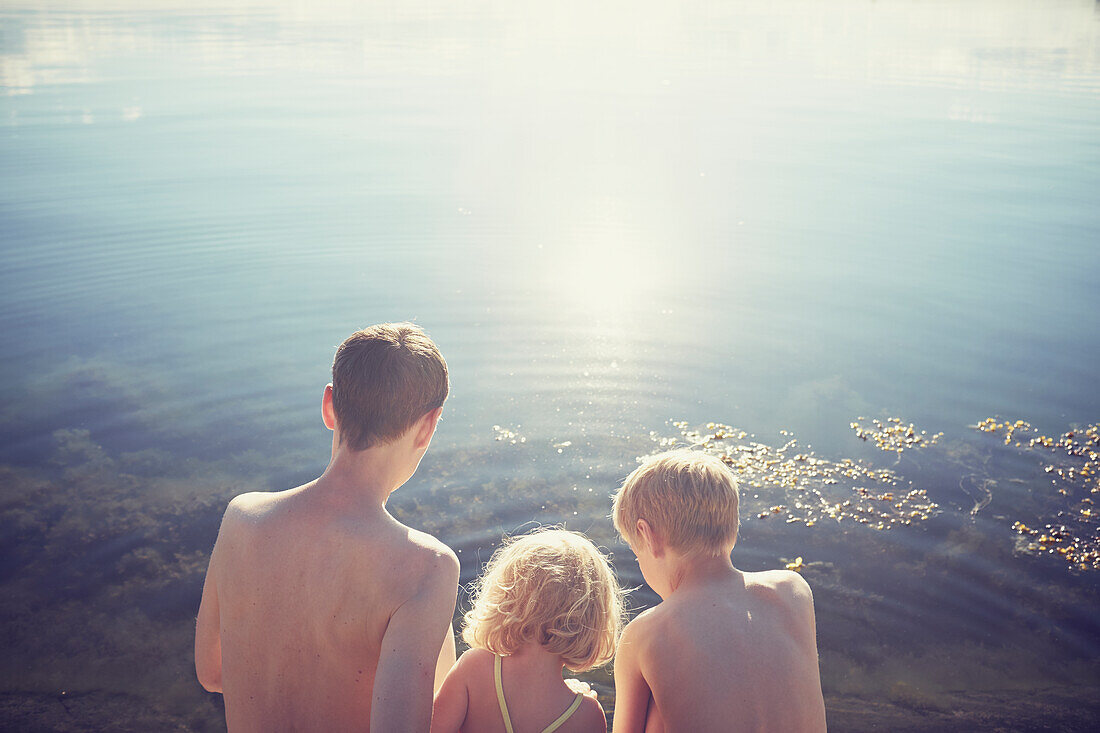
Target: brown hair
{"x":552,"y":587}
{"x":689,"y":497}
{"x":384,"y":378}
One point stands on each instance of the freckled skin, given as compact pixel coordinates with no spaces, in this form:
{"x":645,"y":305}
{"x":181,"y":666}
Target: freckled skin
{"x":725,"y":651}
{"x":320,"y":610}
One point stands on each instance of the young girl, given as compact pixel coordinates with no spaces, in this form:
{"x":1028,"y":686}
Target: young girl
{"x":547,"y":600}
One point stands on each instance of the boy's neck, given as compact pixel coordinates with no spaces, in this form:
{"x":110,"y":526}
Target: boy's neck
{"x":369,"y":475}
{"x":683,"y":572}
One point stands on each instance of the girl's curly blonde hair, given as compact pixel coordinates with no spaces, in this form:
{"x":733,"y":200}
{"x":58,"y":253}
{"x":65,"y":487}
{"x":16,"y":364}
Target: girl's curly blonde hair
{"x":553,"y":587}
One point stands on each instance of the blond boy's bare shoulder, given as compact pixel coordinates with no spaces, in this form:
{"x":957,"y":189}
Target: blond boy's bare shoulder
{"x":788,"y":594}
{"x":785,"y":583}
{"x":647,"y":626}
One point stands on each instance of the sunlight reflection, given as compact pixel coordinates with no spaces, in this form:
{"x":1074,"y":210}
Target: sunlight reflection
{"x":67,"y":41}
{"x":603,"y":265}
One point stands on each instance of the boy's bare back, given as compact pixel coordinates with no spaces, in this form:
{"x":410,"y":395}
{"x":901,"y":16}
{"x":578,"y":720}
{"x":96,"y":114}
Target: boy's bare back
{"x":735,"y":653}
{"x":310,"y":597}
{"x":320,"y":610}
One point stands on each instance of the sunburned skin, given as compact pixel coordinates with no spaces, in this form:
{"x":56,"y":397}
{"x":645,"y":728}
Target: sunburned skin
{"x":725,"y":651}
{"x":320,"y":610}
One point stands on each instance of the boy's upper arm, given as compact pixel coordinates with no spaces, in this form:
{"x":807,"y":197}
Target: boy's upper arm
{"x":208,"y":644}
{"x":802,"y":599}
{"x":404,"y":680}
{"x":451,"y":702}
{"x":446,"y":660}
{"x":632,"y":693}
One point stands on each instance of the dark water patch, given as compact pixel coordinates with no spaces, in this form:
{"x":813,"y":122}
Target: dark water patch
{"x":910,"y":708}
{"x":100,"y":600}
{"x":35,"y":712}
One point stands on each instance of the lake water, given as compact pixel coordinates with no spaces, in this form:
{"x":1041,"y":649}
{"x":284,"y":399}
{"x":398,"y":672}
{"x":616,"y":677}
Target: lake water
{"x":781,"y":216}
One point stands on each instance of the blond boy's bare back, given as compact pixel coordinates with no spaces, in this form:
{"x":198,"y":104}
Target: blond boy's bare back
{"x":735,"y":653}
{"x":307,"y":589}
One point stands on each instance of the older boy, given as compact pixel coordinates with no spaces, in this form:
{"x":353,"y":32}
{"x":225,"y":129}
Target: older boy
{"x":320,"y":610}
{"x":725,"y":650}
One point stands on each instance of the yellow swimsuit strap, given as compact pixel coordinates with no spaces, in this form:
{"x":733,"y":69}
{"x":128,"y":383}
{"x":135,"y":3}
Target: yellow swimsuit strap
{"x":500,"y":694}
{"x":564,"y":716}
{"x":504,"y":706}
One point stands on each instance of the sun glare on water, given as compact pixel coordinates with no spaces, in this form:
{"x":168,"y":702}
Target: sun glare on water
{"x":603,"y":266}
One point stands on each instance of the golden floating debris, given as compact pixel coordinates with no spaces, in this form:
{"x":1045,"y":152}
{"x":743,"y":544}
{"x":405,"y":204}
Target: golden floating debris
{"x":892,"y":434}
{"x":797,"y":565}
{"x":1074,"y":534}
{"x":813,"y":488}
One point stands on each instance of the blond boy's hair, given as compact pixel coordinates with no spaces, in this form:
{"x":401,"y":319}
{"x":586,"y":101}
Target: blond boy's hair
{"x":688,"y":497}
{"x":384,"y":378}
{"x":552,"y":587}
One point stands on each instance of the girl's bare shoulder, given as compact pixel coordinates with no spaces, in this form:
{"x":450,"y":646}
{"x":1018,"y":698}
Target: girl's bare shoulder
{"x":476,"y":659}
{"x":591,"y":716}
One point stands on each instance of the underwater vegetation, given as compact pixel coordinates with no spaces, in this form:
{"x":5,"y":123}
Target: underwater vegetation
{"x":813,"y":488}
{"x":892,"y":434}
{"x":1073,"y":533}
{"x":103,"y":551}
{"x":101,"y":567}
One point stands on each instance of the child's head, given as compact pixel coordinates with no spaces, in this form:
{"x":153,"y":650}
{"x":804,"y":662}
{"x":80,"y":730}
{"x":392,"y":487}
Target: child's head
{"x":384,"y":379}
{"x":551,"y":587}
{"x":687,"y":497}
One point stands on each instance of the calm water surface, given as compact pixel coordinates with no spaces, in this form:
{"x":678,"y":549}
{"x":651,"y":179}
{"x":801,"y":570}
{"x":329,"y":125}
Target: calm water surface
{"x":781,"y":216}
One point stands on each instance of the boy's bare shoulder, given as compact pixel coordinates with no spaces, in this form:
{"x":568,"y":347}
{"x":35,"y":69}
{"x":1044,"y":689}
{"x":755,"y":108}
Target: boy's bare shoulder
{"x":431,"y":553}
{"x":429,"y":545}
{"x":251,"y":509}
{"x":419,"y":565}
{"x":785,"y":583}
{"x":244,"y":509}
{"x":787,"y":592}
{"x":253,"y":505}
{"x":647,"y":625}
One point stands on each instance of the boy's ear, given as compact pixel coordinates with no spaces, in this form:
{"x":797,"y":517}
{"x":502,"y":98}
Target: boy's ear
{"x":328,"y":412}
{"x":653,"y":540}
{"x":425,"y":428}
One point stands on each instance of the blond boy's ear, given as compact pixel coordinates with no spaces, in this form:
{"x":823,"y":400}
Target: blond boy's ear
{"x":651,"y":537}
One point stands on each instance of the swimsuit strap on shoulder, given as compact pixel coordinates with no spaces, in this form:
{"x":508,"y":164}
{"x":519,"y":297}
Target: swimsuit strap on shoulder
{"x":500,"y":694}
{"x":504,"y":706}
{"x":564,"y":716}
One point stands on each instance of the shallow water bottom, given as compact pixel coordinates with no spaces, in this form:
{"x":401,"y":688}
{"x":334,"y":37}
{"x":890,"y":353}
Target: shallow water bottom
{"x":1063,"y":709}
{"x":944,"y":624}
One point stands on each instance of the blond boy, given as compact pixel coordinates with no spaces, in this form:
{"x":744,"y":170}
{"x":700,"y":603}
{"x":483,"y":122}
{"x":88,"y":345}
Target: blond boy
{"x":321,"y":611}
{"x":724,"y":650}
